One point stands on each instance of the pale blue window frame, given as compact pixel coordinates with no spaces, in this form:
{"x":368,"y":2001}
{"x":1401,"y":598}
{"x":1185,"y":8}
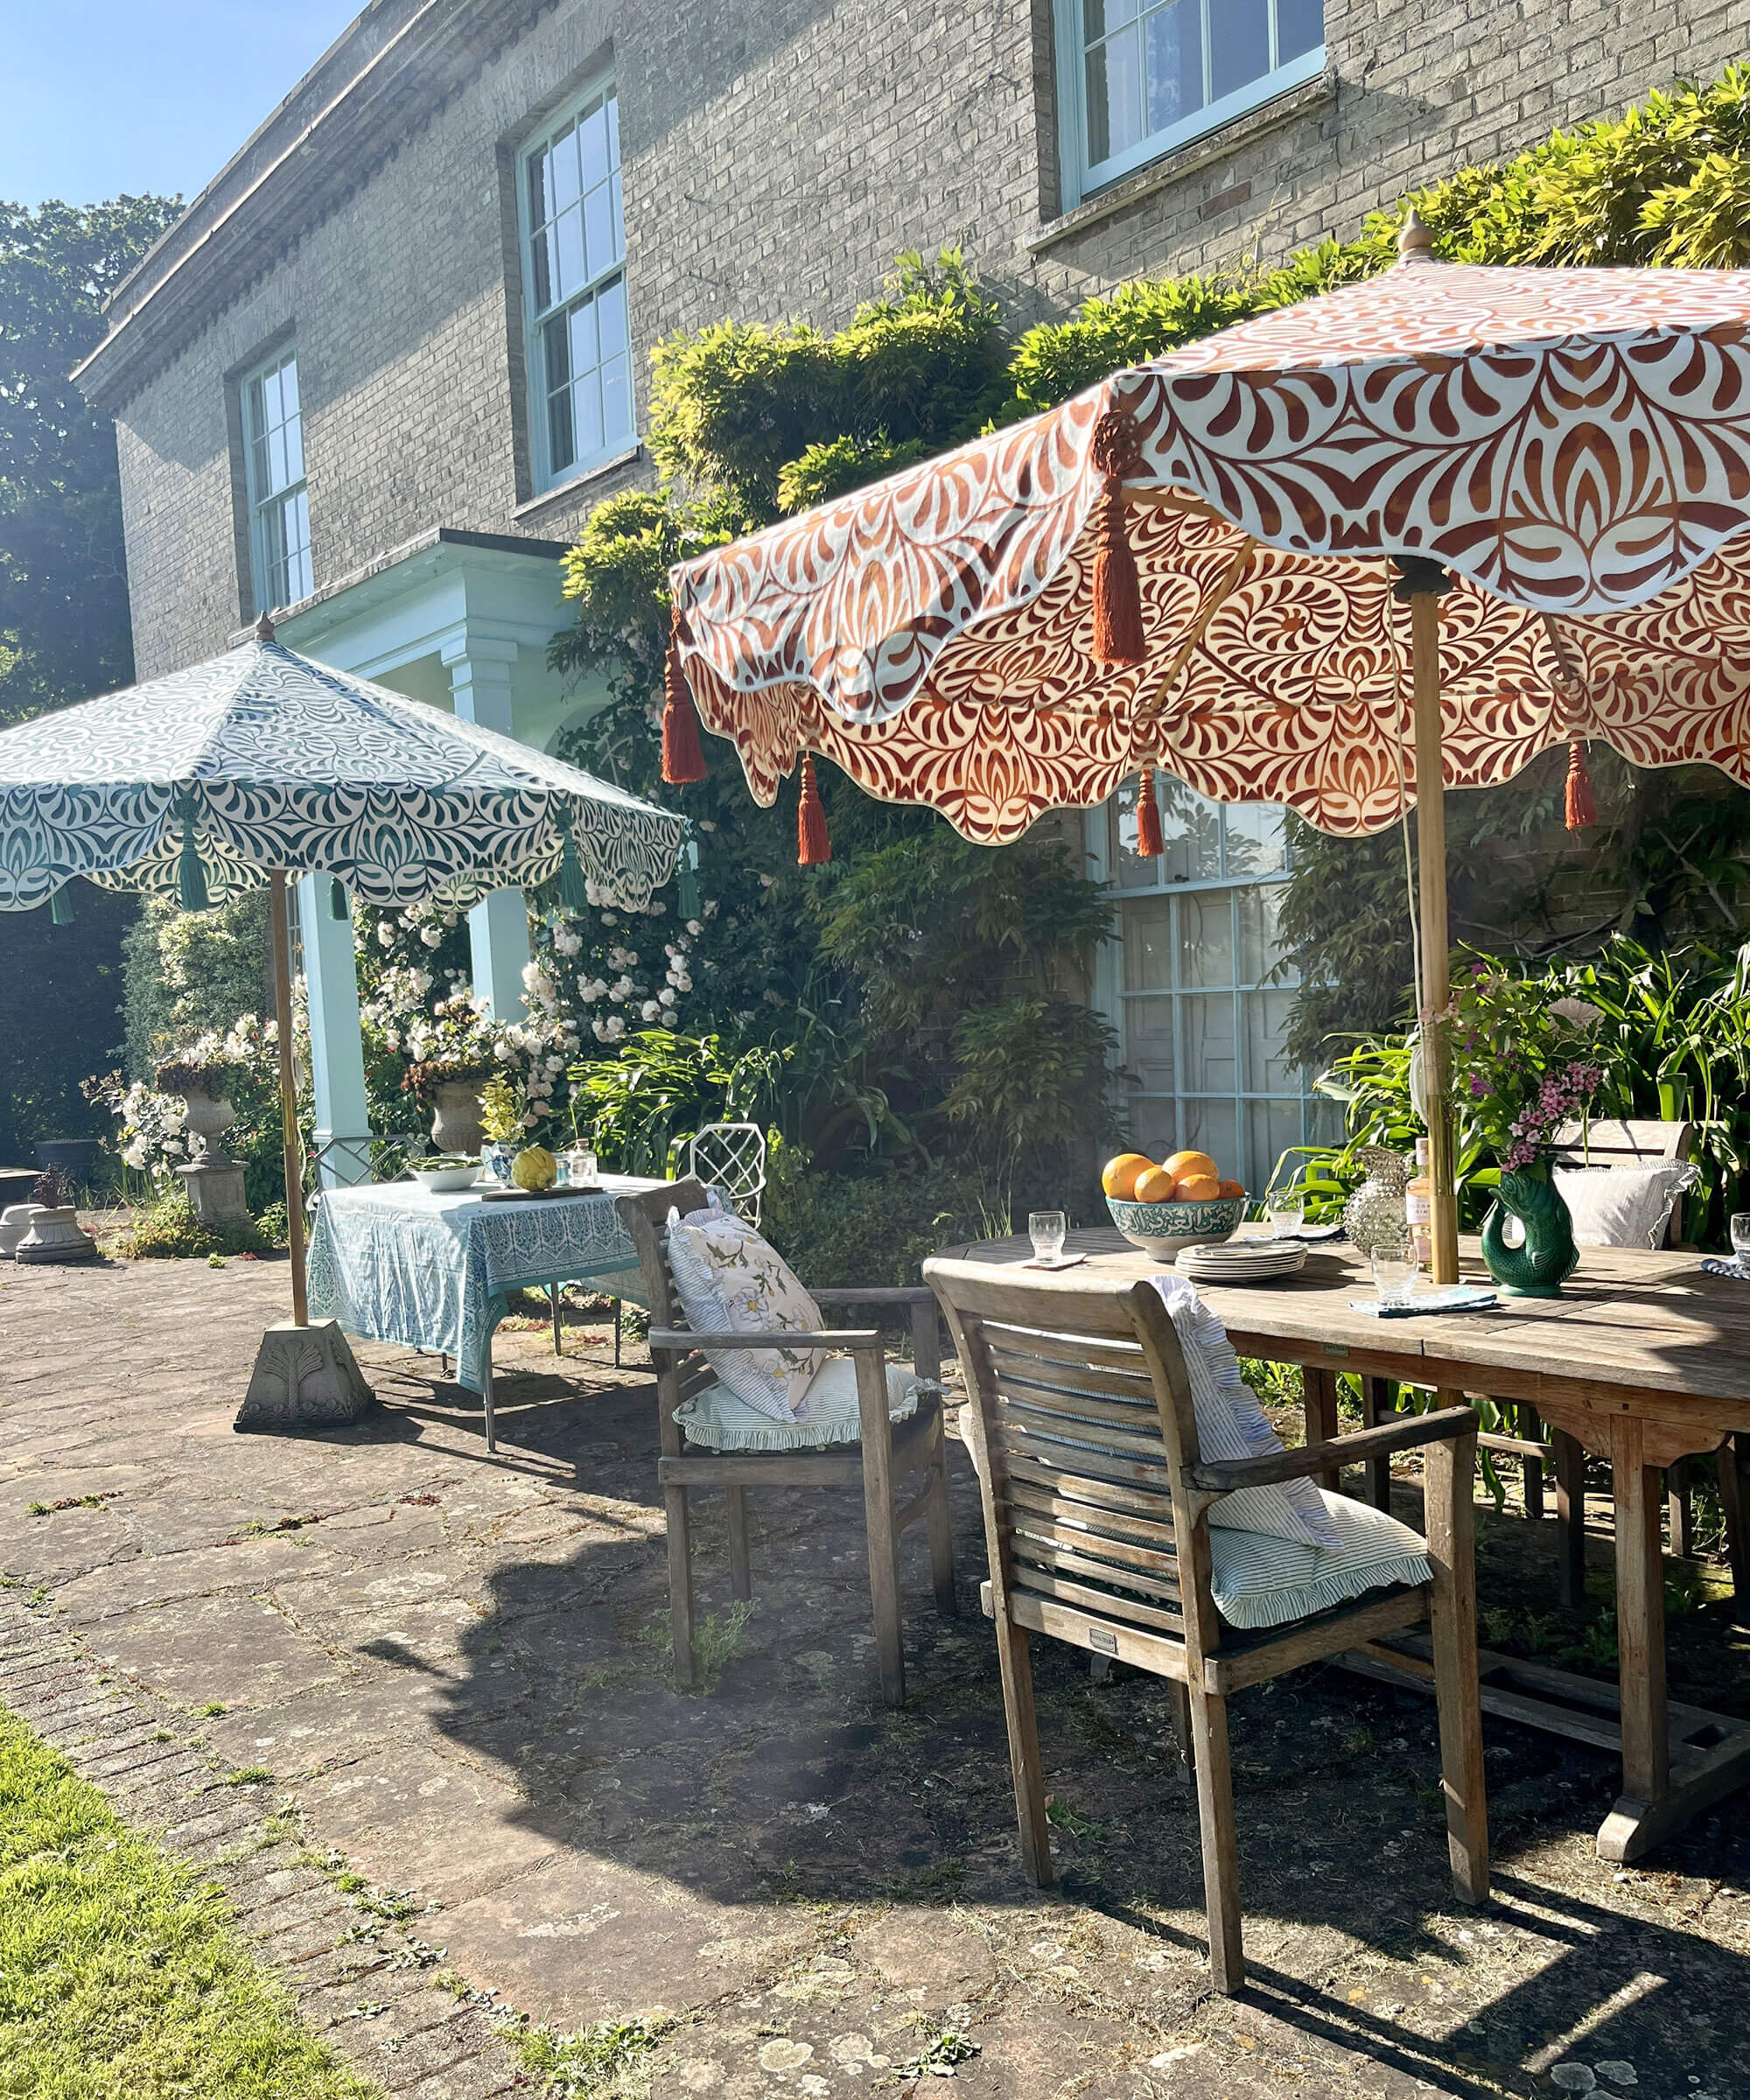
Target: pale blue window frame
{"x":578,"y":347}
{"x":274,"y":476}
{"x":1195,"y":984}
{"x":1175,"y":70}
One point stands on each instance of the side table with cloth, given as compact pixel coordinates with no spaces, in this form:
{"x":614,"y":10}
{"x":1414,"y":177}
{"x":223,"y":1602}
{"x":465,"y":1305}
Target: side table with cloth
{"x":396,"y":1263}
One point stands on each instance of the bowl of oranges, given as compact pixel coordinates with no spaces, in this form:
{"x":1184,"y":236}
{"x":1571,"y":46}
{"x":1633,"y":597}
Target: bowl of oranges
{"x":1181,"y":1202}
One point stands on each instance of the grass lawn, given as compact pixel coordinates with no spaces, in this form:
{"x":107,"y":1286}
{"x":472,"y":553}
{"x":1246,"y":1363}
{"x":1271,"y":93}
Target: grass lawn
{"x":120,"y":1976}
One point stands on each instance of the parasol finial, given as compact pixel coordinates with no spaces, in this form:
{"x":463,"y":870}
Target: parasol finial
{"x":264,"y":629}
{"x":1415,"y":243}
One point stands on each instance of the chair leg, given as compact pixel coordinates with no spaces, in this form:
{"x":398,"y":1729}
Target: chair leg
{"x":1680,"y":1508}
{"x":1530,"y":1470}
{"x":616,"y":1333}
{"x":1570,"y":1517}
{"x":740,"y":1568}
{"x":558,"y":1349}
{"x":937,"y":1522}
{"x":1016,"y":1664}
{"x":1318,"y":1400}
{"x":1376,"y":1400}
{"x":1220,"y":1841}
{"x":878,"y":1509}
{"x":1178,"y":1718}
{"x":681,"y":1586}
{"x":1450,"y":1509}
{"x":1732,"y":1501}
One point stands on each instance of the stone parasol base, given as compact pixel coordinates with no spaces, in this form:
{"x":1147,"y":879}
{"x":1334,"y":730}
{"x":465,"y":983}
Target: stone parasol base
{"x":304,"y":1378}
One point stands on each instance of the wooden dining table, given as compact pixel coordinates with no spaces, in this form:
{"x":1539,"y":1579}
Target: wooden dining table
{"x":1643,"y":1359}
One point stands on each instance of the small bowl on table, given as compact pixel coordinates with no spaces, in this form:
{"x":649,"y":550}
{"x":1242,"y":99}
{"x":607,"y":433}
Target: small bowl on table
{"x":1163,"y":1228}
{"x":446,"y":1180}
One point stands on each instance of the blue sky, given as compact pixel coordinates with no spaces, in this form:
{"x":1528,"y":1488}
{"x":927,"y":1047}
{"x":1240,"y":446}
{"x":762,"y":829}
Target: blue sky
{"x":101,"y":96}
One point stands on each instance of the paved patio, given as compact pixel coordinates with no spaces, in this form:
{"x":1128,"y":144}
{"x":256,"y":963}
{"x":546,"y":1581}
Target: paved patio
{"x":450,"y":1666}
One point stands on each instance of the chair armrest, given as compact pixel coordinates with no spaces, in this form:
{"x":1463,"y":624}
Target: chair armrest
{"x":877,"y":1294}
{"x":1226,"y":1476}
{"x":782,"y":1337}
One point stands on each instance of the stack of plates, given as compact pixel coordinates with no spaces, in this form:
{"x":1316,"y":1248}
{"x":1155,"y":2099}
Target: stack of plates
{"x":1242,"y":1261}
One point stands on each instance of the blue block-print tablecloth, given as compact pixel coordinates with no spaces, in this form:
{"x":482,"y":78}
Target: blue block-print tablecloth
{"x":393,"y":1263}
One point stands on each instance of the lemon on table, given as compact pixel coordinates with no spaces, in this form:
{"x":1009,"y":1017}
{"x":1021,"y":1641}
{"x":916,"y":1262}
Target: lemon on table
{"x":534,"y":1167}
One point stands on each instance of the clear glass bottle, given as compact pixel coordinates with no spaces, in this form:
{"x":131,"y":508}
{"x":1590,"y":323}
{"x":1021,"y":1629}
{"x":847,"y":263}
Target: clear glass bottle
{"x":1419,"y":1205}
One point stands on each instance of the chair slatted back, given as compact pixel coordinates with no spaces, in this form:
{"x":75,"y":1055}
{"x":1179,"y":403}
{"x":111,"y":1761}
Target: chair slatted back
{"x":646,"y":1218}
{"x":1081,"y":1422}
{"x":1609,"y":1142}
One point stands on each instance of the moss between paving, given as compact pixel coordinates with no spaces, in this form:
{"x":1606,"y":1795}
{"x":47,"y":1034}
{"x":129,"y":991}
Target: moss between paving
{"x":119,"y":1972}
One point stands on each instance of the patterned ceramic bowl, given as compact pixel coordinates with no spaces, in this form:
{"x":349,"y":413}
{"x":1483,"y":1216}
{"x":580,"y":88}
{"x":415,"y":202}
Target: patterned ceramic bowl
{"x":443,"y":1180}
{"x":1163,"y":1228}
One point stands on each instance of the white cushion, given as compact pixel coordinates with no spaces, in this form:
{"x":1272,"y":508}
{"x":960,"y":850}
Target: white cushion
{"x":730,"y":1279}
{"x":1231,"y":1424}
{"x":718,"y":1420}
{"x":1624,"y":1206}
{"x":1259,"y":1579}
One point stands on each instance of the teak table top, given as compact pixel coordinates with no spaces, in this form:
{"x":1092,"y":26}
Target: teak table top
{"x":1645,"y":1335}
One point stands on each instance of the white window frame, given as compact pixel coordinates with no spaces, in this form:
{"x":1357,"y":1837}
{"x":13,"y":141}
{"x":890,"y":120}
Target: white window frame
{"x":261,"y":500}
{"x":1078,"y":179}
{"x":1109,"y":995}
{"x":544,"y":475}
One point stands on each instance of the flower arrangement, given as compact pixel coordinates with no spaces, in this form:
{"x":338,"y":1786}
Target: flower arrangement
{"x":212,"y":1061}
{"x":1521,"y":1063}
{"x":501,"y":1113}
{"x":52,"y":1189}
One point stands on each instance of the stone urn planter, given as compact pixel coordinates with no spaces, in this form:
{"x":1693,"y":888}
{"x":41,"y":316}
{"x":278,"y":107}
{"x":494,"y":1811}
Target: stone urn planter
{"x":456,"y":1125}
{"x":15,"y":1222}
{"x":208,"y":1116}
{"x":54,"y":1237}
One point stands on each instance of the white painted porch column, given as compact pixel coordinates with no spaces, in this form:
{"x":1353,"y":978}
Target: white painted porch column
{"x":337,"y":1055}
{"x":498,"y":925}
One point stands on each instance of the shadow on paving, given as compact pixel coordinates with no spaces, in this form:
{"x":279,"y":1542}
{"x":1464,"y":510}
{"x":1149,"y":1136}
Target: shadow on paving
{"x":453,"y":1664}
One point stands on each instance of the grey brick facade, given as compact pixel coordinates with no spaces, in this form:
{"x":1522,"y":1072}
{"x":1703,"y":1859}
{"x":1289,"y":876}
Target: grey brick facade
{"x":777,"y":153}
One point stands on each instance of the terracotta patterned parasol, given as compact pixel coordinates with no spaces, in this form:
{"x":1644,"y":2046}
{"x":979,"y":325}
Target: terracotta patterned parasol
{"x":1422,"y":527}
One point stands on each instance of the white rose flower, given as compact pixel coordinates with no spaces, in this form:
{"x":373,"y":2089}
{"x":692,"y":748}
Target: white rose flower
{"x":610,"y":918}
{"x":667,"y":995}
{"x":385,"y":933}
{"x":598,"y":1029}
{"x":651,"y":1010}
{"x":694,"y":929}
{"x":431,"y":936}
{"x":616,"y":1027}
{"x":683,"y":983}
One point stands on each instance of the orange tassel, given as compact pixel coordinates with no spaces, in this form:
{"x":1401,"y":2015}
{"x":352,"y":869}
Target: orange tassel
{"x":682,"y":760}
{"x":1149,"y":843}
{"x":1117,"y":591}
{"x":1582,"y":810}
{"x":814,"y":848}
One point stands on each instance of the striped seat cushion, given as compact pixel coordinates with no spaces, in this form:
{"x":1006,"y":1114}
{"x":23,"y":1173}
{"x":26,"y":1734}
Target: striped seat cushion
{"x":717,"y":1419}
{"x":1261,"y":1579}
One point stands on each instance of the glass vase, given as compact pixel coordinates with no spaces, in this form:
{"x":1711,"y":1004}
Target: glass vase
{"x":1375,"y":1216}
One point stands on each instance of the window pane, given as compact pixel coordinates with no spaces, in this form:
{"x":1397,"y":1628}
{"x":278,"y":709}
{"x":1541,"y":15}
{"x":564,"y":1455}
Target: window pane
{"x":584,"y":354}
{"x":1147,"y":929}
{"x":1211,"y":1127}
{"x":1100,"y":16}
{"x":1299,"y":27}
{"x":1266,"y":1017}
{"x":1174,"y":53}
{"x":541,"y":255}
{"x":1148,"y":1043}
{"x":1271,"y":1128}
{"x":592,"y":139}
{"x":1239,"y":45}
{"x":288,"y":387}
{"x":297,"y":579}
{"x":616,"y":394}
{"x":1260,"y":911}
{"x":1125,"y":870}
{"x":1154,"y":1127}
{"x":1192,"y":830}
{"x":562,"y":163}
{"x":294,"y":445}
{"x":1115,"y":95}
{"x":557,"y":337}
{"x":568,"y":254}
{"x":611,"y":316}
{"x":1211,"y":1058}
{"x":613,"y":126}
{"x":601,"y":239}
{"x":586,"y":414}
{"x":560,"y":449}
{"x":1205,"y":939}
{"x":1257,"y":839}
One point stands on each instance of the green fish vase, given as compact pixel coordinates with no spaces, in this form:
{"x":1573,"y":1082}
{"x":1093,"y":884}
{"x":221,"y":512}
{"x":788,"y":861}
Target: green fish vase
{"x":1548,"y":1257}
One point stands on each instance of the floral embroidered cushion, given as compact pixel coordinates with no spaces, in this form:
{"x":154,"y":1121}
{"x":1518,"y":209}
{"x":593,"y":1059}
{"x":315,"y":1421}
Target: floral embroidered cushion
{"x":731,"y":1279}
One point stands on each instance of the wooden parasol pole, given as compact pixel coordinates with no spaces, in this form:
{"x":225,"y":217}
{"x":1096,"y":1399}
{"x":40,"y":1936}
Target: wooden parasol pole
{"x":278,"y":897}
{"x":1424,"y":583}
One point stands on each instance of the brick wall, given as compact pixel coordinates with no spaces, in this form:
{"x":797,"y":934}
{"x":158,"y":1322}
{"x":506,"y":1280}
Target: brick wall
{"x":777,"y":154}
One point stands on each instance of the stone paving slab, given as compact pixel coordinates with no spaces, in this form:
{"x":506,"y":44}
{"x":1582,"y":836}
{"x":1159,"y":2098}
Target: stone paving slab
{"x":450,"y":1666}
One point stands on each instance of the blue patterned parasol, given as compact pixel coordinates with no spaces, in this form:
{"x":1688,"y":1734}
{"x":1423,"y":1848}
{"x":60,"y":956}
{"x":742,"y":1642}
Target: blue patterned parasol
{"x":204,"y":782}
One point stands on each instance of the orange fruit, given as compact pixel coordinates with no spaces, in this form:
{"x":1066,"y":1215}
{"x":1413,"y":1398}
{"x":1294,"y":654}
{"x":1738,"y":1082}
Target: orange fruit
{"x":1184,"y":1163}
{"x":1121,"y":1174}
{"x":1198,"y":1188}
{"x":1154,"y":1187}
{"x":1233,"y":1188}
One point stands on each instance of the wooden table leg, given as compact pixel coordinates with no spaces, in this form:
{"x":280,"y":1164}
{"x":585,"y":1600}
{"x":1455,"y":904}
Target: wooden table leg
{"x":1530,"y":1469}
{"x":1378,"y":1396}
{"x":1570,"y":1517}
{"x":554,"y":1298}
{"x":487,"y":1395}
{"x":1319,"y":1397}
{"x":1640,"y":1619}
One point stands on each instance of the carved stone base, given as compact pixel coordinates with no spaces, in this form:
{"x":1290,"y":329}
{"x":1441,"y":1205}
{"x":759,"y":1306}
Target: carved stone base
{"x":215,"y":1190}
{"x":304,"y":1378}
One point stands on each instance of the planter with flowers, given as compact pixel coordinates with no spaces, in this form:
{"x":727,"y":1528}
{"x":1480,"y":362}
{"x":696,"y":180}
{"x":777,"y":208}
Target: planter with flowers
{"x":1522,"y":1066}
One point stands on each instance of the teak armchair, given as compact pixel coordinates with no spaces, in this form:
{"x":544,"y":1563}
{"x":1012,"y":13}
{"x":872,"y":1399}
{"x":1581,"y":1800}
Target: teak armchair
{"x":885,"y":1454}
{"x":1097,"y":1514}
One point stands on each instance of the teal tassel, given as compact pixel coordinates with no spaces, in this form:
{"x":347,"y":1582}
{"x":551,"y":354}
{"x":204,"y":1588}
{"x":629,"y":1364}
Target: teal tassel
{"x":61,"y":907}
{"x":687,"y":893}
{"x":191,"y":877}
{"x":338,"y":906}
{"x":570,"y":876}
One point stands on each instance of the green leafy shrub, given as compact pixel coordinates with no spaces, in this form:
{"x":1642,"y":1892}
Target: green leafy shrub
{"x":842,"y":1230}
{"x":170,"y":1231}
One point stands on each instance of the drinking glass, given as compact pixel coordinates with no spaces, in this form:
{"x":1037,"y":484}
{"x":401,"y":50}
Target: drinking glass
{"x":1046,"y":1228}
{"x":1394,"y":1272}
{"x":1740,"y":1237}
{"x":1286,"y":1210}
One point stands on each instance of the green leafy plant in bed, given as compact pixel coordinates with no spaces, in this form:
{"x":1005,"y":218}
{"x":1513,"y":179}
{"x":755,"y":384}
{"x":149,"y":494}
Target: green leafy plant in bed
{"x":119,"y":1971}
